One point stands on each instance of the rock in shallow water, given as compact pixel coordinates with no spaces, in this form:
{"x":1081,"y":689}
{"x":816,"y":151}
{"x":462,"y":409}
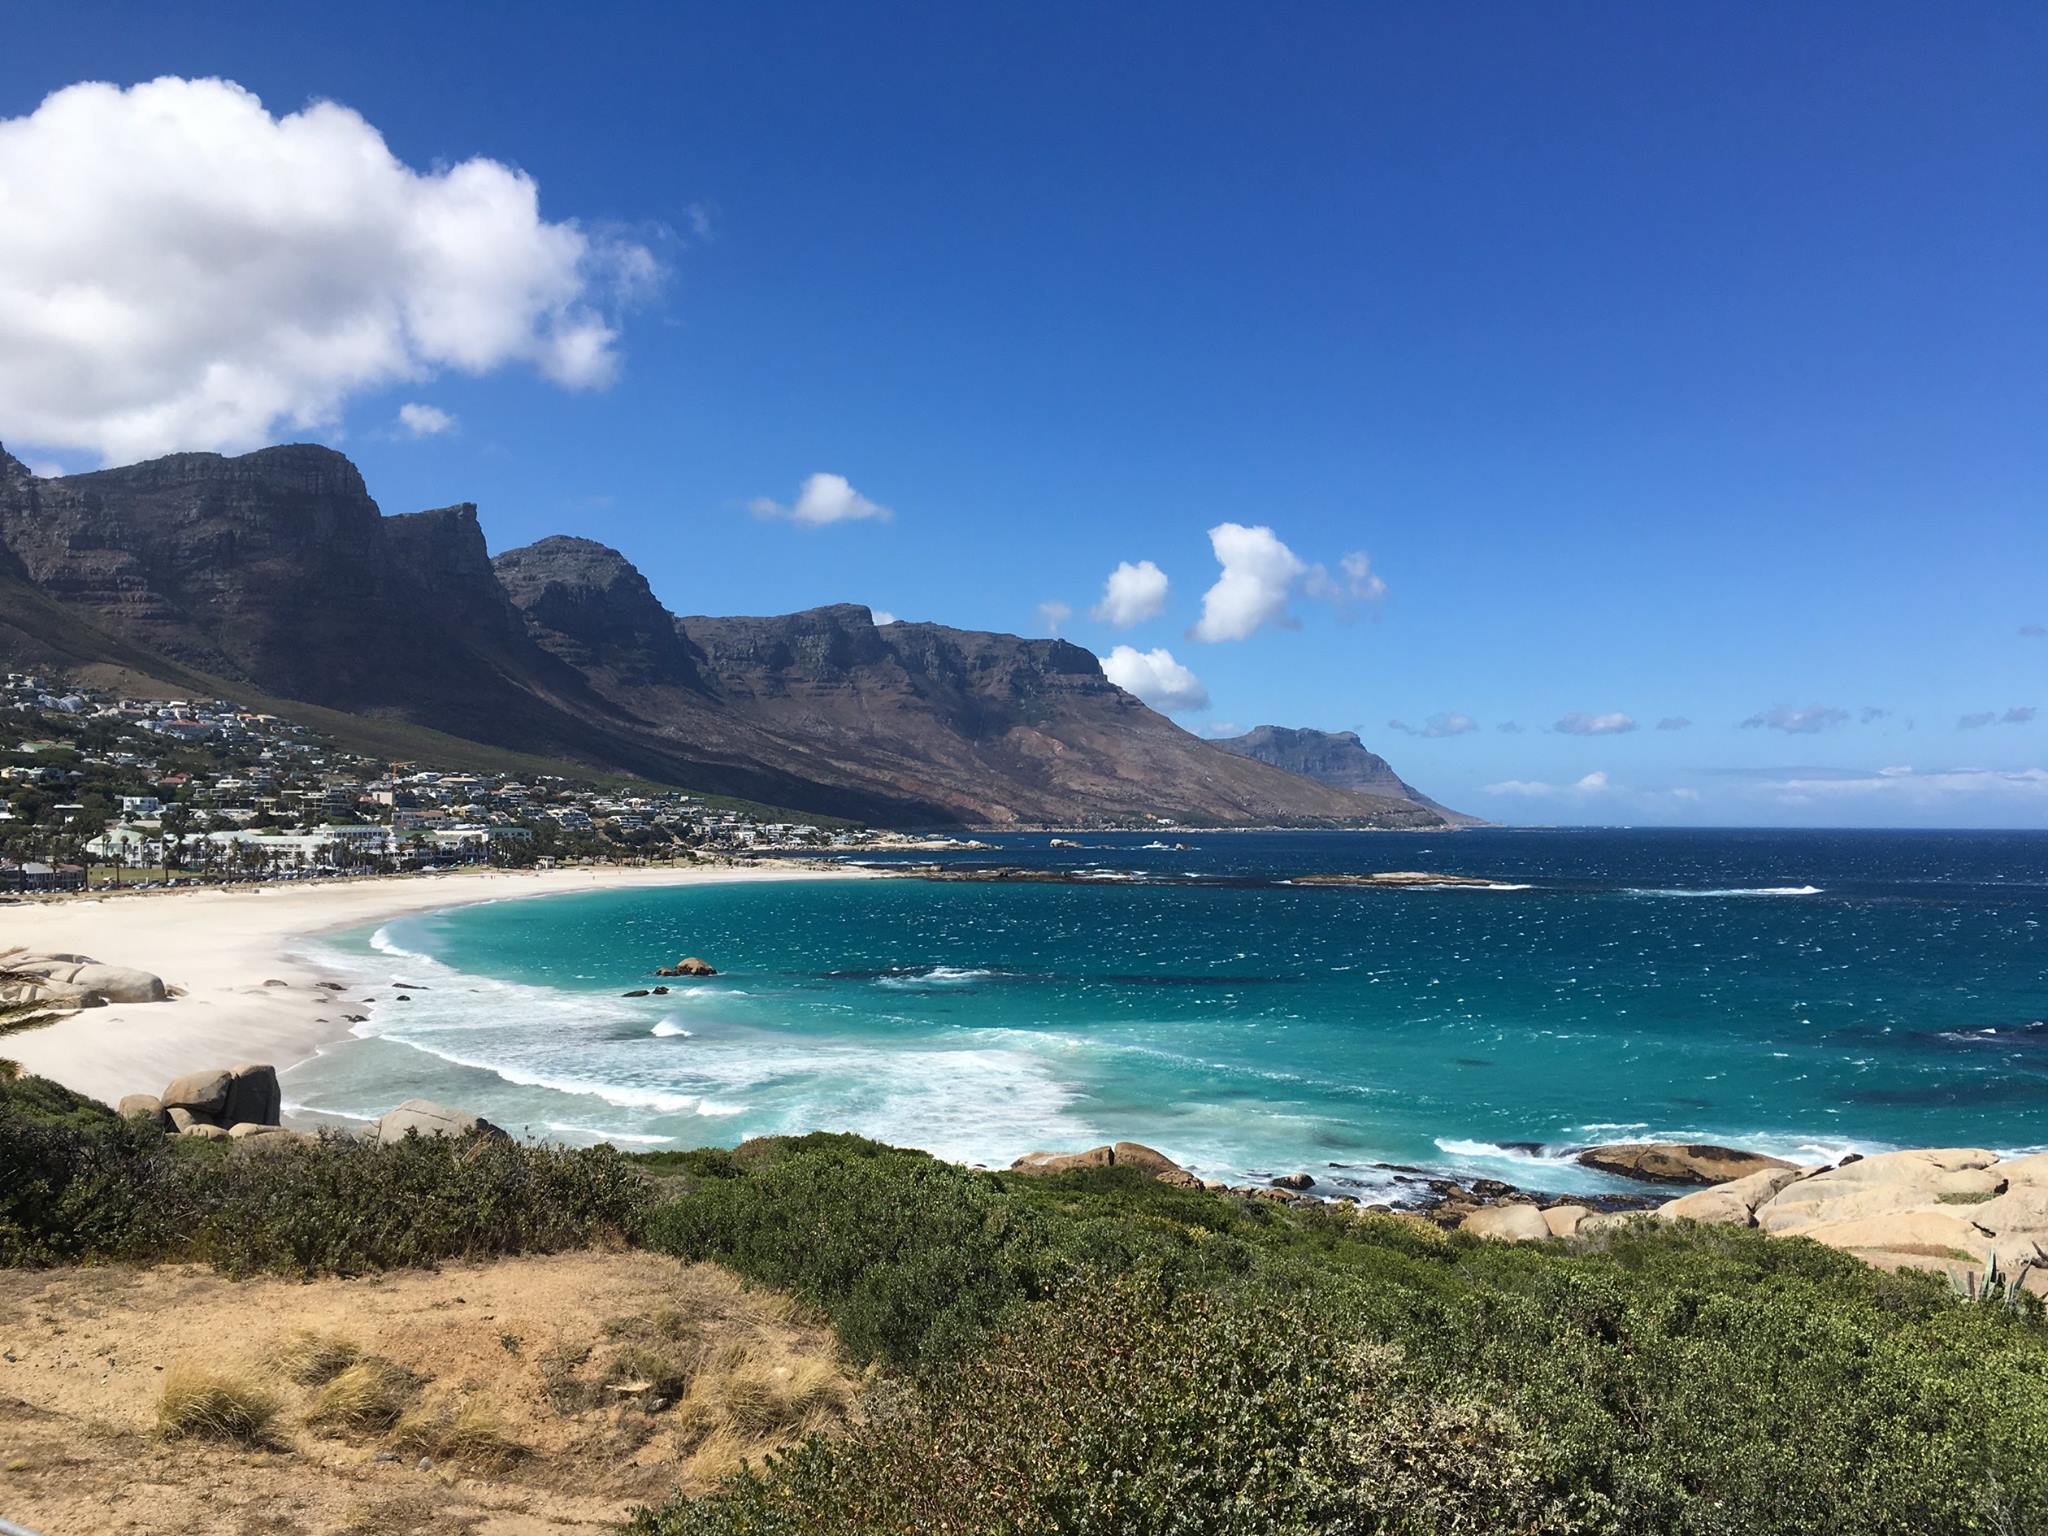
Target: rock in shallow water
{"x":1673,"y":1162}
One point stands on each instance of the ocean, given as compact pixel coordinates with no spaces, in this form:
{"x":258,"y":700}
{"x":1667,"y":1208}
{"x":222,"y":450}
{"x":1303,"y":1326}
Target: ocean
{"x":1806,"y":993}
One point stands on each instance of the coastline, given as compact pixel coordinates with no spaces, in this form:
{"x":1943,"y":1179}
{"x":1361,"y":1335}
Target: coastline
{"x":224,"y":946}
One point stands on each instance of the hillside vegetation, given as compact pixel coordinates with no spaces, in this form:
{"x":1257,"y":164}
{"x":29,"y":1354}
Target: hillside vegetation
{"x":1096,"y":1353}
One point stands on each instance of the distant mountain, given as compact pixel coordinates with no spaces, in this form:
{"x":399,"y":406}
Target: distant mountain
{"x":1336,"y":758}
{"x":276,"y":570}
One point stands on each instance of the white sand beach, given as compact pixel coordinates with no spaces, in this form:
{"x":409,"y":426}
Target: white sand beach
{"x":223,"y":946}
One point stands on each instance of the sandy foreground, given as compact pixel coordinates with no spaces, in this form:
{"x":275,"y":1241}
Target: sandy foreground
{"x":222,"y":946}
{"x":533,"y":1342}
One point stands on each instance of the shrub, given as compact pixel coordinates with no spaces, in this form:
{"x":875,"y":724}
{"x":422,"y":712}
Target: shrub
{"x":366,"y":1398}
{"x":213,"y":1405}
{"x":910,"y":1257}
{"x":1123,"y":1412}
{"x":470,"y":1432}
{"x":311,"y":1358}
{"x":1192,"y":1365}
{"x":78,"y":1182}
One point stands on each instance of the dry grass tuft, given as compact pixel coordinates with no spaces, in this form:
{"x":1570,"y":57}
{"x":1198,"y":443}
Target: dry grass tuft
{"x":565,"y":1391}
{"x":661,"y":1323}
{"x":214,"y":1405}
{"x":366,"y":1399}
{"x":660,"y":1370}
{"x":741,"y":1405}
{"x":311,"y":1358}
{"x":472,"y":1433}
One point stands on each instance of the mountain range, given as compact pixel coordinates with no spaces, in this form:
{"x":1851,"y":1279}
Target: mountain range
{"x":276,"y":571}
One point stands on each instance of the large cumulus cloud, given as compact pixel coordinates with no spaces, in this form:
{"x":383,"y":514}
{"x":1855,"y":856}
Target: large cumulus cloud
{"x":181,"y":269}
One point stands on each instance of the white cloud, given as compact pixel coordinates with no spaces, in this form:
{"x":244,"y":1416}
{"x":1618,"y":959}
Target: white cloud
{"x":1155,"y":677}
{"x":1355,"y":581}
{"x":1594,"y":783}
{"x":1259,"y":573}
{"x":1053,"y":614}
{"x":1674,"y":723}
{"x":881,"y":616}
{"x":1440,"y":724}
{"x":417,"y":420}
{"x":2034,"y":631}
{"x":49,"y":469}
{"x":1132,"y":594}
{"x":1914,"y":786}
{"x":1583,"y":724}
{"x":1797,"y":722}
{"x":820,"y":500}
{"x":183,"y":270}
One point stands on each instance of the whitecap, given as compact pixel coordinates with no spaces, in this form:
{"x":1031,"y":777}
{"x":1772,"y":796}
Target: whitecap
{"x":384,"y":944}
{"x":669,"y":1029}
{"x":1455,"y":1146}
{"x":598,"y":1134}
{"x":937,"y":976}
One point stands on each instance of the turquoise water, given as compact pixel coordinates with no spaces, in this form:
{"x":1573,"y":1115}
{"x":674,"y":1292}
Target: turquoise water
{"x":1807,"y":993}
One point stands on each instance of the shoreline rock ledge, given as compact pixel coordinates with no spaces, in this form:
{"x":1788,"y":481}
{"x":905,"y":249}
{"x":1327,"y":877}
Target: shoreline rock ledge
{"x":1677,"y":1162}
{"x":1123,"y":1154}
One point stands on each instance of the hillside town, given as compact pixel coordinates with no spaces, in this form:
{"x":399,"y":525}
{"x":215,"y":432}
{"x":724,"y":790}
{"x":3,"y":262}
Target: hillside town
{"x":102,"y":790}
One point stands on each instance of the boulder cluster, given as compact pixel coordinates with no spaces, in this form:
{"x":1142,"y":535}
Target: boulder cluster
{"x":217,"y":1104}
{"x":72,"y":981}
{"x":1935,"y":1207}
{"x":689,"y":965}
{"x":243,"y":1103}
{"x":1959,"y":1209}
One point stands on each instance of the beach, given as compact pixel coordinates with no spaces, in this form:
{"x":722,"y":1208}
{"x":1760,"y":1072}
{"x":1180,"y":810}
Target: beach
{"x":228,"y":948}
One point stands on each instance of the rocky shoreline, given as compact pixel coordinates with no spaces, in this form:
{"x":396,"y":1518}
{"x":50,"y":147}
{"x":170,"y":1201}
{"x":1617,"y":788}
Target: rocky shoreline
{"x":1966,"y":1212}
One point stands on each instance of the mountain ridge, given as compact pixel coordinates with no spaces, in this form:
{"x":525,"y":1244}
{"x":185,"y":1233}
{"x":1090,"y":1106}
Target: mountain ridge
{"x":277,"y":570}
{"x":1336,"y":758}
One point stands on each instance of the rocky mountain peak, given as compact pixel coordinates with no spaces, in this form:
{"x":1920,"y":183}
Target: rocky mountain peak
{"x":591,"y":606}
{"x":276,"y":569}
{"x":1336,"y":758}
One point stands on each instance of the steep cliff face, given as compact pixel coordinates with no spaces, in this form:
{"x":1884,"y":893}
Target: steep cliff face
{"x":588,"y":605}
{"x":259,"y":566}
{"x":935,"y":724}
{"x":1336,"y":758}
{"x":998,"y":729}
{"x":277,"y":569}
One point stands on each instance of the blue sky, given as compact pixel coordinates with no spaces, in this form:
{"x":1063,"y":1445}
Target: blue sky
{"x":1666,"y":362}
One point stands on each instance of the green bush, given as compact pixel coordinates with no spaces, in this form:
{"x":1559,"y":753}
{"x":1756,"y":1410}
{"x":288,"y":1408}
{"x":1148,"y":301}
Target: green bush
{"x":910,"y":1257}
{"x":1098,"y":1354}
{"x":1124,"y":1411}
{"x":77,"y":1182}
